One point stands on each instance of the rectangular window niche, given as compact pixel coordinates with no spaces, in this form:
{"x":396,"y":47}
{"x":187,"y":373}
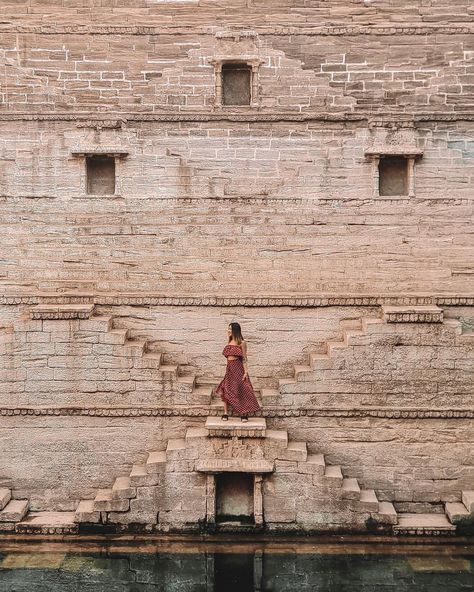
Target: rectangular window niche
{"x":236,"y":82}
{"x":100,"y":172}
{"x":393,"y":174}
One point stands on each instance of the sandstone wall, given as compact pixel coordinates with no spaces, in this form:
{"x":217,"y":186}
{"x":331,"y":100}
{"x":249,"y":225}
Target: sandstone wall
{"x":413,"y":71}
{"x":179,"y":223}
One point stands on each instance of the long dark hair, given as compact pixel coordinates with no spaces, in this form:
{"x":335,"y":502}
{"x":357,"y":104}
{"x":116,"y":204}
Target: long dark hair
{"x":236,"y":333}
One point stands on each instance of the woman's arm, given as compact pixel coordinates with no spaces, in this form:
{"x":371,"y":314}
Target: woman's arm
{"x":244,"y":359}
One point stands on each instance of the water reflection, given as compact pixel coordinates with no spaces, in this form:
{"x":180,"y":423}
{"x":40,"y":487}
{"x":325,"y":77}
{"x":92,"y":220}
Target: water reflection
{"x":224,"y":569}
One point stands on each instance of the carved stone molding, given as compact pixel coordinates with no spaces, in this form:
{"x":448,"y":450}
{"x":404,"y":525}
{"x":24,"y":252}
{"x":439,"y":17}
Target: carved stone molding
{"x":352,"y":30}
{"x":412,"y":314}
{"x":92,"y":120}
{"x":62,"y":311}
{"x":221,"y":301}
{"x":268,"y":412}
{"x":237,"y":465}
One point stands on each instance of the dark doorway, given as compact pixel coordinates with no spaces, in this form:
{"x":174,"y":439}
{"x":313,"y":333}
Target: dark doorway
{"x":234,"y":498}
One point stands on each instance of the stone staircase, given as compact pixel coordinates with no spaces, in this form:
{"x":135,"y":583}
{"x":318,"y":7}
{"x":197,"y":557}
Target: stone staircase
{"x":123,"y":501}
{"x":147,"y":361}
{"x":127,"y":501}
{"x":12,"y":511}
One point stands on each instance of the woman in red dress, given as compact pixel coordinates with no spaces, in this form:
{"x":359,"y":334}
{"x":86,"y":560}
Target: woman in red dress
{"x":235,"y":389}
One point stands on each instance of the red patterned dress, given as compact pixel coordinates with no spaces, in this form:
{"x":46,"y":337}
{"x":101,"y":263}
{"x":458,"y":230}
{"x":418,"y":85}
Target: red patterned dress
{"x":237,"y":392}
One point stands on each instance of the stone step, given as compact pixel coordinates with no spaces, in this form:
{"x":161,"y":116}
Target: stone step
{"x":171,"y":369}
{"x":5,"y":497}
{"x":334,"y":346}
{"x":270,"y":396}
{"x":104,"y":501}
{"x":367,"y":322}
{"x":62,"y":311}
{"x":368,"y":500}
{"x":200,"y":395}
{"x":151,"y":360}
{"x":283,"y":381}
{"x":300,"y":369}
{"x":350,"y":488}
{"x":424,"y":524}
{"x":114,"y":336}
{"x":85,"y":512}
{"x":98,"y":323}
{"x":456,"y":511}
{"x":386,"y":513}
{"x":320,"y":361}
{"x":14,"y":511}
{"x":351,"y":336}
{"x":278,"y":437}
{"x":296,"y":451}
{"x":123,"y":489}
{"x":468,"y":500}
{"x":48,"y":523}
{"x":334,"y":473}
{"x":175,"y":448}
{"x":156,"y":462}
{"x":314,"y":465}
{"x":139,"y":477}
{"x":134,"y":347}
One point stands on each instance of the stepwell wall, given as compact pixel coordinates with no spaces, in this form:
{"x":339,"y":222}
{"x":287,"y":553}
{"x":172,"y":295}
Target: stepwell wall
{"x":276,"y":199}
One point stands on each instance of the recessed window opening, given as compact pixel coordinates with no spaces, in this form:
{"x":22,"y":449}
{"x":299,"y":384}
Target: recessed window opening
{"x":100,"y":172}
{"x":236,"y":84}
{"x":393,"y":175}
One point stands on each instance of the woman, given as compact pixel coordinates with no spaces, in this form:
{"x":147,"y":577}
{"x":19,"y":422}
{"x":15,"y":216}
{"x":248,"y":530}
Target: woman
{"x":236,"y":389}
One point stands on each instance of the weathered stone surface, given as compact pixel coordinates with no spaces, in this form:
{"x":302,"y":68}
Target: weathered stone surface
{"x":115,"y":285}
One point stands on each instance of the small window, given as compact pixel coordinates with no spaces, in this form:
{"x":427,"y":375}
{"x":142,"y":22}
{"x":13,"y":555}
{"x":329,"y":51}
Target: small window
{"x":236,"y":84}
{"x":393,"y":175}
{"x":100,"y":175}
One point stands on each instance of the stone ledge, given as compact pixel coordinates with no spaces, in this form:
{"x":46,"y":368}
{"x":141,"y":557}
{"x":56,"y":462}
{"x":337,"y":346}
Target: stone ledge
{"x":273,"y":411}
{"x":254,"y":428}
{"x":334,"y":30}
{"x":62,"y":311}
{"x":260,"y":301}
{"x":412,"y":314}
{"x":283,"y":116}
{"x":234,"y":465}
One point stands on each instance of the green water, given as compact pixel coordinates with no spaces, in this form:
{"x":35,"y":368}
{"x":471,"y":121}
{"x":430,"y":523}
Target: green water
{"x":229,"y":568}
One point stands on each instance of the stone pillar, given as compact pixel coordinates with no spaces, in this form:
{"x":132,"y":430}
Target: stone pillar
{"x":210,"y":499}
{"x":258,"y":499}
{"x":411,"y":176}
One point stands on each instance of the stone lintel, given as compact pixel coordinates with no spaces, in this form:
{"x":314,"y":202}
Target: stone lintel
{"x":100,"y":151}
{"x":62,"y":311}
{"x":255,"y":427}
{"x":408,"y":151}
{"x":412,"y":314}
{"x":234,"y":465}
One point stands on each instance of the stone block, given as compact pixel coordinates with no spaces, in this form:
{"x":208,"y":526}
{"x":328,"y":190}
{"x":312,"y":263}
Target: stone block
{"x":14,"y":511}
{"x":156,"y":462}
{"x":456,"y":512}
{"x":139,"y":477}
{"x":5,"y":497}
{"x":85,"y":512}
{"x":468,"y":500}
{"x":105,"y":501}
{"x":122,"y":489}
{"x":314,"y":465}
